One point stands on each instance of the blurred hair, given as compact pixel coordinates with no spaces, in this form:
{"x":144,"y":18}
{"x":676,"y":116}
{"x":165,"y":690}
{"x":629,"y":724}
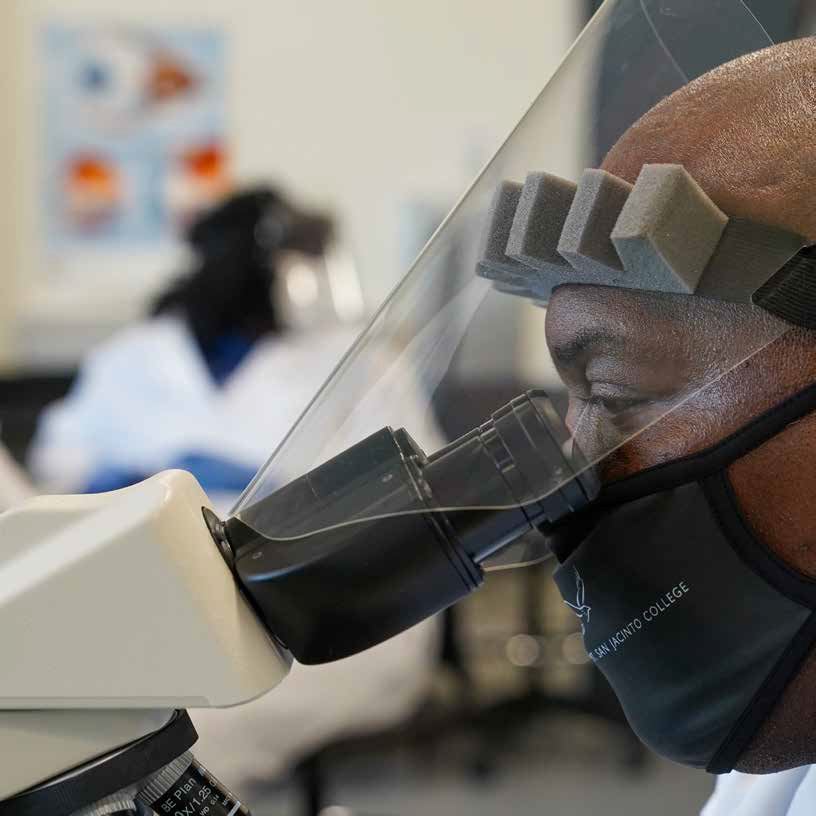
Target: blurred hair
{"x":237,"y":246}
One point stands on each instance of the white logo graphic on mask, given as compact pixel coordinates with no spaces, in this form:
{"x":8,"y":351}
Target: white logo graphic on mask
{"x":579,"y":607}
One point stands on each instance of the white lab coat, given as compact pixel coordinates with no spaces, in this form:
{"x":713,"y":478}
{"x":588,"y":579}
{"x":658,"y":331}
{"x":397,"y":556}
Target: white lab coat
{"x":789,"y":793}
{"x":145,"y":397}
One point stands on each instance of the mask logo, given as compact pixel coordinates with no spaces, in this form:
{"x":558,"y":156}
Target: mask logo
{"x":579,"y":607}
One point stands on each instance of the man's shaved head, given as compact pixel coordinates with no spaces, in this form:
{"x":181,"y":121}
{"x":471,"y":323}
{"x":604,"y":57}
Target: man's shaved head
{"x":746,"y":132}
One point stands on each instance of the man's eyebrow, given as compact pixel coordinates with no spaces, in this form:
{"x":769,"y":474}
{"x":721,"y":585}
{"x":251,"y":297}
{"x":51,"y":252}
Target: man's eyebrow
{"x":577,"y":343}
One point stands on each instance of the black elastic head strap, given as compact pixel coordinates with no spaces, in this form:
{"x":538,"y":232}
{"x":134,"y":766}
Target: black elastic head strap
{"x":791,"y":293}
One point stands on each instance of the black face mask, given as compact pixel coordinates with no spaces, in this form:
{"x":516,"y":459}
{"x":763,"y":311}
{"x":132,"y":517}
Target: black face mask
{"x":695,"y":623}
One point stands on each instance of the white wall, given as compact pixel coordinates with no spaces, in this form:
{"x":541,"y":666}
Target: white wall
{"x":12,"y":139}
{"x":356,"y":105}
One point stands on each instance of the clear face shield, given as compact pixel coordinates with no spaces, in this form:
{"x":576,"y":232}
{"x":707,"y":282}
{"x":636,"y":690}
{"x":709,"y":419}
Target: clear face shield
{"x":610,"y":302}
{"x":318,"y":292}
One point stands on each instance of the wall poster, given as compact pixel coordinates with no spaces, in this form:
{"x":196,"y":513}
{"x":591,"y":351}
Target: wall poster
{"x":134,"y":132}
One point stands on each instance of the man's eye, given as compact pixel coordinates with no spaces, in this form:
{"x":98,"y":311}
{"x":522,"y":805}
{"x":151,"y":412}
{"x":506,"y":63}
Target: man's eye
{"x":619,"y":404}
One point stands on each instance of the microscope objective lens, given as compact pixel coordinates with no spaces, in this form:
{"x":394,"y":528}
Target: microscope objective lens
{"x":196,"y":792}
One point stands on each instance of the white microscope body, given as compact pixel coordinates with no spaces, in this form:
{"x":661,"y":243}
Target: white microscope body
{"x":116,"y":610}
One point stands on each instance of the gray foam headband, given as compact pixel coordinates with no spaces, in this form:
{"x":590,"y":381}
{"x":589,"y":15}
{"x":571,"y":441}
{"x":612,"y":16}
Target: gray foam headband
{"x":661,"y":234}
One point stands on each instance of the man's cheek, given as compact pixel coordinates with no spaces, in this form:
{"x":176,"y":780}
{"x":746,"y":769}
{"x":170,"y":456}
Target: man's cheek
{"x":684,"y":431}
{"x":617,"y":436}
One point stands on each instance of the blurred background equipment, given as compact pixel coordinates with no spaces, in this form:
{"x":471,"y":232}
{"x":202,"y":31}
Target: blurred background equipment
{"x":134,"y":135}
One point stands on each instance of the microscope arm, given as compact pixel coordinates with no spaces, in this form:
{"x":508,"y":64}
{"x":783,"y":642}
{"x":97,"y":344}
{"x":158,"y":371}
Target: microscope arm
{"x":115,"y":610}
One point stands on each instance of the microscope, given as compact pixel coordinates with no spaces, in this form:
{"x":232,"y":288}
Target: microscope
{"x":118,"y":611}
{"x":121,"y":610}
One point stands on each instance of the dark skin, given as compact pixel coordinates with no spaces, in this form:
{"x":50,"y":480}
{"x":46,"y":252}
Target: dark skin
{"x":745,"y":132}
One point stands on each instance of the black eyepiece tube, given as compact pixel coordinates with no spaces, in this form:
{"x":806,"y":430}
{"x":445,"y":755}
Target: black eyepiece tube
{"x":381,"y":536}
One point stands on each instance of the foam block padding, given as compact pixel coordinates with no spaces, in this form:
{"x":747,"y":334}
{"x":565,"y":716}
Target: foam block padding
{"x":586,"y":240}
{"x":497,"y":231}
{"x":509,"y":275}
{"x":539,"y":219}
{"x":667,"y":231}
{"x":748,"y":256}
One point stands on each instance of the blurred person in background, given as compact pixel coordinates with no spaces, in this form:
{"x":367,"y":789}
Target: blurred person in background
{"x":214,"y":378}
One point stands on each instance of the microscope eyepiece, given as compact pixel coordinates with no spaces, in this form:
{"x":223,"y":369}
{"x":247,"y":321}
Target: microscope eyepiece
{"x":382,"y":536}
